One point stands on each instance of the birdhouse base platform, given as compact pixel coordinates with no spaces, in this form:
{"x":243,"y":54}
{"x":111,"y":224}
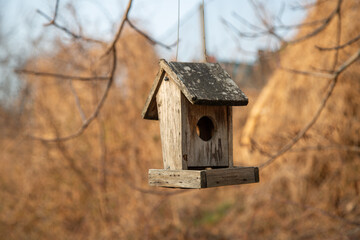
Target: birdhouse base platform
{"x":203,"y":178}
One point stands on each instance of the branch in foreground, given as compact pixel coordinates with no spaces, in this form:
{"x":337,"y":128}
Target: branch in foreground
{"x":271,"y":29}
{"x":55,"y":14}
{"x":57,"y":75}
{"x":243,"y":34}
{"x":330,"y":147}
{"x":77,"y":102}
{"x":150,"y":39}
{"x":320,"y":28}
{"x":67,"y":31}
{"x":340,"y":46}
{"x":314,"y":74}
{"x":121,"y":27}
{"x":96,"y":112}
{"x":93,"y":115}
{"x":332,"y":85}
{"x":307,"y":6}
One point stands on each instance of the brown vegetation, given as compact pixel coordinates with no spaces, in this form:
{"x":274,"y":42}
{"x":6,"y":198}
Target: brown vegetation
{"x":95,"y":185}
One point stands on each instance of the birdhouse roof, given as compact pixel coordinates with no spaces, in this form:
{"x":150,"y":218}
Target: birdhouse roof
{"x":201,"y":84}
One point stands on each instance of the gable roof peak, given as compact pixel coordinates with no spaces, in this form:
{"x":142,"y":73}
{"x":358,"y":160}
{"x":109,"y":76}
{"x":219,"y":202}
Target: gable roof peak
{"x":201,"y":84}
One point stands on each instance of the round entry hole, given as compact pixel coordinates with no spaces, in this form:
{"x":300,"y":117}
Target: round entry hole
{"x":205,"y":128}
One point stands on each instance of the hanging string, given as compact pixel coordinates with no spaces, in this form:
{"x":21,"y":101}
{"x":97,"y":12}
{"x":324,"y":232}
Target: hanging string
{"x":203,"y":29}
{"x":178,"y":31}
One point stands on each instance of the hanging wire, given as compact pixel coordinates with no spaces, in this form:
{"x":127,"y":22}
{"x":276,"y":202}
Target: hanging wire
{"x":178,"y":31}
{"x":203,"y":29}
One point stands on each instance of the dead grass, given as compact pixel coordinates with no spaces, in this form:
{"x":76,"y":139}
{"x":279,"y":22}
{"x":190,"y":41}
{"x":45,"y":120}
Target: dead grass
{"x":95,"y":186}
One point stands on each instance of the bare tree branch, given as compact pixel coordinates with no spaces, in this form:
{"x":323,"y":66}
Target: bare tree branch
{"x":332,"y":85}
{"x":150,"y":39}
{"x":339,"y":46}
{"x":324,"y":148}
{"x":243,"y":34}
{"x":94,"y":114}
{"x":270,"y":29}
{"x":67,"y":31}
{"x":301,"y":25}
{"x":55,"y":14}
{"x":126,"y":19}
{"x":320,"y":28}
{"x":246,"y":22}
{"x":121,"y":27}
{"x":77,"y":102}
{"x":61,"y":76}
{"x":72,"y":162}
{"x":112,"y":48}
{"x":314,"y":74}
{"x":309,"y":5}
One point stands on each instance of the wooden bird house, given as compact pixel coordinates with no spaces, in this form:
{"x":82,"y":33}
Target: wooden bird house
{"x":193,"y":102}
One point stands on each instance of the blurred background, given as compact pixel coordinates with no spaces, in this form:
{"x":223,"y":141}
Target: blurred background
{"x":75,"y":151}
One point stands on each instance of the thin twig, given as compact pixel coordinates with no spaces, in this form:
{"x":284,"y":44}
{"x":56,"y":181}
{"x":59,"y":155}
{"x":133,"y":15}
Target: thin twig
{"x":257,"y":147}
{"x":271,"y":29}
{"x":246,"y":22}
{"x":112,"y":48}
{"x":103,"y":155}
{"x":62,"y":76}
{"x":67,"y":31}
{"x":121,"y":27}
{"x":350,"y":148}
{"x":55,"y":14}
{"x":314,"y":74}
{"x":150,"y":39}
{"x":77,"y":170}
{"x":93,"y":115}
{"x":301,"y":25}
{"x":332,"y":85}
{"x":310,"y":5}
{"x":338,"y":37}
{"x":320,"y":28}
{"x":243,"y":34}
{"x":339,"y":46}
{"x":71,"y":161}
{"x":323,"y":148}
{"x":77,"y":102}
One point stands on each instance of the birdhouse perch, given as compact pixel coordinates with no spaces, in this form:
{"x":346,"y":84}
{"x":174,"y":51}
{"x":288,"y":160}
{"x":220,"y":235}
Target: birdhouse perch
{"x":193,"y":102}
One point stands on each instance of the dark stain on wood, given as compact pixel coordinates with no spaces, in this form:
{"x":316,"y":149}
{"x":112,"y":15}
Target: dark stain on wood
{"x":201,"y":83}
{"x":208,"y":84}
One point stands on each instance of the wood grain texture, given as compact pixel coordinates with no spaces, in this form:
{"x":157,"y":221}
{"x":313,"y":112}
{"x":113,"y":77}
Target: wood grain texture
{"x":168,"y":101}
{"x":231,"y":176}
{"x":203,"y":178}
{"x":150,"y":109}
{"x":200,"y":153}
{"x":230,"y":136}
{"x":176,"y":178}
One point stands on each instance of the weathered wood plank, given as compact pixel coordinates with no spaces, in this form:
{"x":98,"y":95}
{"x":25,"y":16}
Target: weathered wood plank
{"x":200,"y":153}
{"x":230,"y":136}
{"x":150,"y":109}
{"x":201,"y":84}
{"x":176,"y":178}
{"x":168,"y":101}
{"x":203,"y":178}
{"x":231,"y":176}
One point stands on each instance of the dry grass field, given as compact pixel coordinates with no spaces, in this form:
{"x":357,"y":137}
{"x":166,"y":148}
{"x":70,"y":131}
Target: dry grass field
{"x":95,"y":186}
